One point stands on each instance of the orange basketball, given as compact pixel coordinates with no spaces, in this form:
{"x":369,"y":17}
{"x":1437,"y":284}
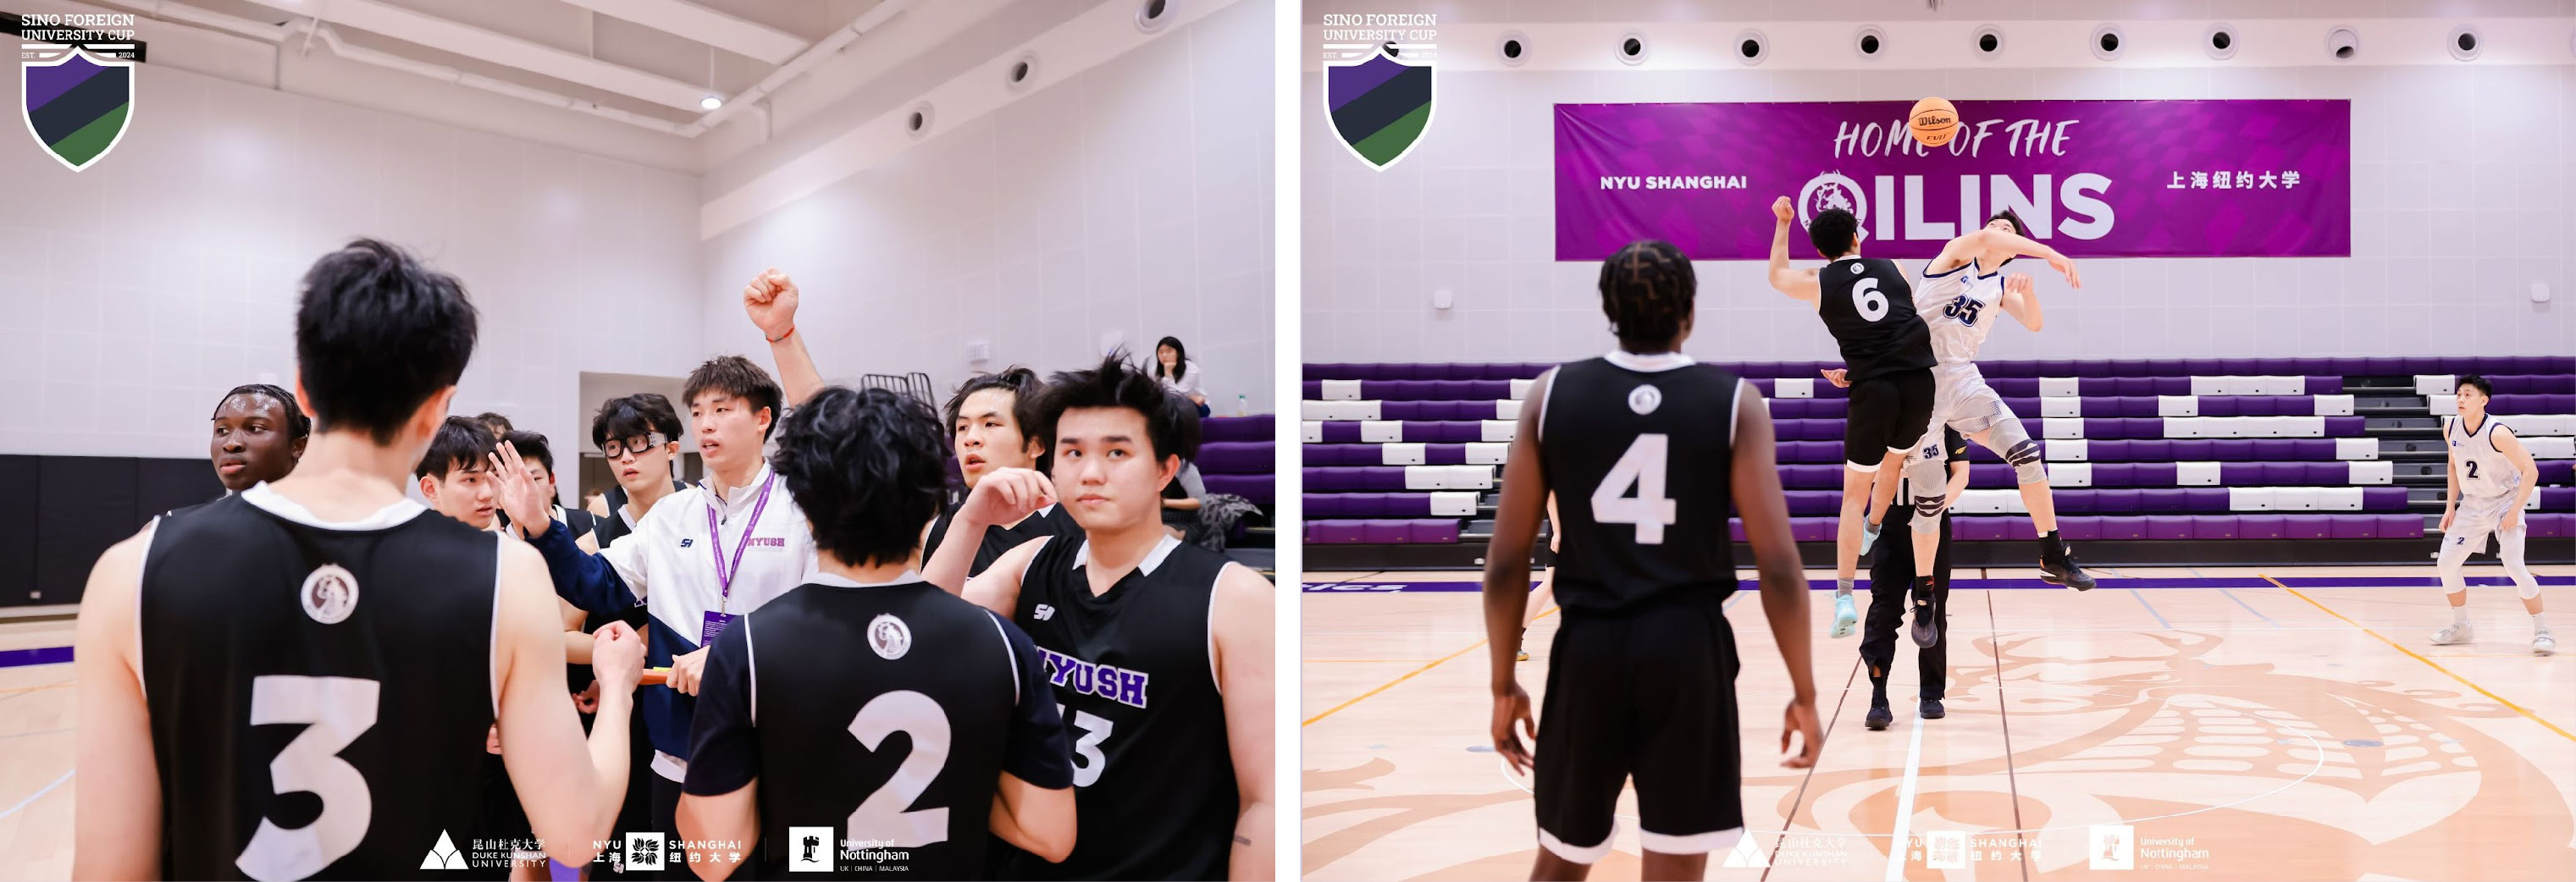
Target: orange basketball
{"x":1934,"y":122}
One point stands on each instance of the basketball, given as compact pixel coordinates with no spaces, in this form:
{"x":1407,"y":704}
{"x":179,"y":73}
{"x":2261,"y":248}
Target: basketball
{"x":1933,"y":121}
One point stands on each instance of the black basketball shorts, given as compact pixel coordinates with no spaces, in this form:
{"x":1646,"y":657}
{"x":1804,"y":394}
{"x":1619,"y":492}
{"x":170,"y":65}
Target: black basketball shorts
{"x":1889,"y":413}
{"x":1646,"y":694}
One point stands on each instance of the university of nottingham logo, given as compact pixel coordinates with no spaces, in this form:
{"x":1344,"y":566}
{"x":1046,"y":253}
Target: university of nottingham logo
{"x":77,"y":104}
{"x":1380,"y":105}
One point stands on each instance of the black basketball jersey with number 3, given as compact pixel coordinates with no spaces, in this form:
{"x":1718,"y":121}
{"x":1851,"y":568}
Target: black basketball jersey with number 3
{"x":317,"y":693}
{"x":1639,"y":460}
{"x":1869,"y":306}
{"x":1133,"y":670}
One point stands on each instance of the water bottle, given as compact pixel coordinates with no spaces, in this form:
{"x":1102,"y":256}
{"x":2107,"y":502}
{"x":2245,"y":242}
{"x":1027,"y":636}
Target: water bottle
{"x":1242,"y":404}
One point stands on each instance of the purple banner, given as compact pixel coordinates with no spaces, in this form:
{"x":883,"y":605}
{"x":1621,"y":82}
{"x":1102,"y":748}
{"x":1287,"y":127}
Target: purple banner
{"x":2092,"y":178}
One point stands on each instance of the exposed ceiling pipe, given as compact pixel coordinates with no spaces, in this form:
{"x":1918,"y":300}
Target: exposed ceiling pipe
{"x":388,"y":60}
{"x":163,"y":9}
{"x":822,"y":49}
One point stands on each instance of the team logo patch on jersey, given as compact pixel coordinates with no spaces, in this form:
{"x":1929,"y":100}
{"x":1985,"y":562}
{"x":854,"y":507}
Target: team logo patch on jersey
{"x":330,"y":594}
{"x":1045,"y":612}
{"x":1855,"y":267}
{"x":889,"y":636}
{"x":1644,"y":399}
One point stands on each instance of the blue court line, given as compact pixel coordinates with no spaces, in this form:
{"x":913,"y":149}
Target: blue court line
{"x":2231,"y":595}
{"x":50,"y":655}
{"x":2151,"y":609}
{"x":32,"y":734}
{"x":49,"y":788}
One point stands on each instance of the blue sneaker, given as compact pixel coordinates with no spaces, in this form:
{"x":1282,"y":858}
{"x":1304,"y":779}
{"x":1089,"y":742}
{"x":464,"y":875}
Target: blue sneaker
{"x":1869,"y":534}
{"x":1845,"y":617}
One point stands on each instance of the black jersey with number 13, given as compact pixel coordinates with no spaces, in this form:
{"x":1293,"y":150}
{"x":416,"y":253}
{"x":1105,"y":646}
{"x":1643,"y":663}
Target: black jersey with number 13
{"x":1639,"y":457}
{"x":1869,"y":306}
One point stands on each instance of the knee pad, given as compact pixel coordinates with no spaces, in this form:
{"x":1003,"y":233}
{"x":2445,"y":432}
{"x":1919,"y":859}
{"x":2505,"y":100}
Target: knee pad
{"x":1927,"y":512}
{"x":2021,"y":451}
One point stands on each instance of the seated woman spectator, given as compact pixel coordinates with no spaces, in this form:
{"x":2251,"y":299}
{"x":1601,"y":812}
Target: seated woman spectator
{"x":1173,"y":366}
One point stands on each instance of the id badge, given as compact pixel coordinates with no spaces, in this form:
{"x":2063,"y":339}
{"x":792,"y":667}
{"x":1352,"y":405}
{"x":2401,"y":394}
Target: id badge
{"x":715,"y":625}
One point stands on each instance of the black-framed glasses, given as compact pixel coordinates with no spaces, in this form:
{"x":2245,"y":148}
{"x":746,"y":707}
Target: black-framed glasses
{"x":637,"y":445}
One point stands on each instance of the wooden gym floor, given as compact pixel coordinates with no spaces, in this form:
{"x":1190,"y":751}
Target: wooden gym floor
{"x":2240,"y":728}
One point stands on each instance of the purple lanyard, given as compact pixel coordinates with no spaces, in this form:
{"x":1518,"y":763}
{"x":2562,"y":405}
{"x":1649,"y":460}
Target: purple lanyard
{"x":715,"y":539}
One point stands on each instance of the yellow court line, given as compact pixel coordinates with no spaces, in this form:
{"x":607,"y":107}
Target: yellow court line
{"x":2464,"y":681}
{"x":1408,"y":675}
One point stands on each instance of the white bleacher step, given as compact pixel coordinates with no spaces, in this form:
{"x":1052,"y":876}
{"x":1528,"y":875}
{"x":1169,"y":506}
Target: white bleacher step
{"x":2249,"y":385}
{"x":2294,"y":498}
{"x":1340,"y":411}
{"x":2551,"y":448}
{"x":1448,"y":477}
{"x":1341,"y":390}
{"x":2246,"y":427}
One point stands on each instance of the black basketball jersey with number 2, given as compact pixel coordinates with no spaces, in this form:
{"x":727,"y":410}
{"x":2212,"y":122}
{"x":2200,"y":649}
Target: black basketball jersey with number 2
{"x":1639,"y":461}
{"x":1869,"y":306}
{"x":316,"y":693}
{"x":1133,"y":670}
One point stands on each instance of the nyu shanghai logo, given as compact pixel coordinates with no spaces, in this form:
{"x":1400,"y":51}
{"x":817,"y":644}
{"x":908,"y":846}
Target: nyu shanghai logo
{"x":1116,"y":684}
{"x":77,"y":103}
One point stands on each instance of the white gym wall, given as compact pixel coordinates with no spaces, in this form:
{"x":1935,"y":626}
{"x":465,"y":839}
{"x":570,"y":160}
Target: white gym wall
{"x":1122,"y":196}
{"x":2460,"y":199}
{"x":133,"y":294}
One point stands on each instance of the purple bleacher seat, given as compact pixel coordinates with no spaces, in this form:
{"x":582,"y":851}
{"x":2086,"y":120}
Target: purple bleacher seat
{"x":2129,"y":367}
{"x":2236,"y":367}
{"x":2168,"y":367}
{"x":2117,"y":501}
{"x":2109,"y":474}
{"x":1735,"y":528}
{"x":2205,"y":499}
{"x":1340,"y":432}
{"x":1333,"y":533}
{"x":2399,"y":526}
{"x":2168,"y":527}
{"x":1977,"y":529}
{"x":2558,"y":471}
{"x":2158,"y":500}
{"x":1812,"y":529}
{"x":1311,"y":390}
{"x":1261,"y":489}
{"x":2015,"y":387}
{"x":2009,"y":369}
{"x":2080,"y":528}
{"x":1258,"y":427}
{"x":1811,"y":476}
{"x":2092,"y":368}
{"x":1434,"y":531}
{"x":2054,"y":368}
{"x":2553,"y":525}
{"x":2205,"y":527}
{"x":1322,"y":506}
{"x":2424,"y":364}
{"x":2309,"y":526}
{"x":2557,"y":498}
{"x":2312,"y":366}
{"x":2533,"y":404}
{"x":2381,"y":366}
{"x":2273,"y":366}
{"x":2348,"y":366}
{"x":2220,"y":450}
{"x":1236,"y":458}
{"x":2349,"y":526}
{"x":2239,"y":474}
{"x":2258,"y":526}
{"x":2383,"y":499}
{"x":2344,"y":426}
{"x":2151,"y":474}
{"x":1383,"y":531}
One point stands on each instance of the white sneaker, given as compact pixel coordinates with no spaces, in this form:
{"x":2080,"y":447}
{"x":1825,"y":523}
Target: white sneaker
{"x":2543,"y":644}
{"x":1844,"y":616}
{"x":2458,"y":632}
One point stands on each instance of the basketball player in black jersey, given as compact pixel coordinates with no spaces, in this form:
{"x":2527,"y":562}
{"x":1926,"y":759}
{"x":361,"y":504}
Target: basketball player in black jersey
{"x":1868,"y":304}
{"x":988,"y":419}
{"x":1159,"y":651}
{"x":1649,"y":450}
{"x":861,"y":654}
{"x":290,"y":682}
{"x":259,"y":434}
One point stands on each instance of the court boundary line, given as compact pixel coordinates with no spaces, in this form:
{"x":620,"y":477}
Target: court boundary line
{"x":1904,"y":828}
{"x":1408,"y":675}
{"x":2392,"y":644}
{"x":39,"y":794}
{"x":1800,"y":798}
{"x":2231,"y":595}
{"x":2003,"y":712}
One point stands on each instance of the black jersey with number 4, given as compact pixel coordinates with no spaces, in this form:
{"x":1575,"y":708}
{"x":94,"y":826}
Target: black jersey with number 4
{"x":1869,"y":306}
{"x":317,"y":691}
{"x":881,"y":713}
{"x":1639,"y":456}
{"x":1134,"y":669}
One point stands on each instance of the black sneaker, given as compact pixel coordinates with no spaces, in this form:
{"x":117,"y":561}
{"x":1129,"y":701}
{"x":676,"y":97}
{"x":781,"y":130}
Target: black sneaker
{"x":1879,"y":715}
{"x":1925,"y":628}
{"x":1931,"y":709}
{"x":2057,"y":567}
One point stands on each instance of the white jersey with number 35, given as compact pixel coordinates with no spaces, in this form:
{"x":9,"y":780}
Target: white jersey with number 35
{"x":1960,"y":306}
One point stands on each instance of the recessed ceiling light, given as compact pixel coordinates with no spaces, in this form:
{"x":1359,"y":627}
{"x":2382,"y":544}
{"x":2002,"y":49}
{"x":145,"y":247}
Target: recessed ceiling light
{"x":710,"y":102}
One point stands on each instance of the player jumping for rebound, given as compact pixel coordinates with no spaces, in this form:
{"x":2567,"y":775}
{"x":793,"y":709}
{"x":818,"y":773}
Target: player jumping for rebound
{"x":1958,"y":296}
{"x":1887,"y":357}
{"x":2491,"y":477}
{"x":1652,"y":450}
